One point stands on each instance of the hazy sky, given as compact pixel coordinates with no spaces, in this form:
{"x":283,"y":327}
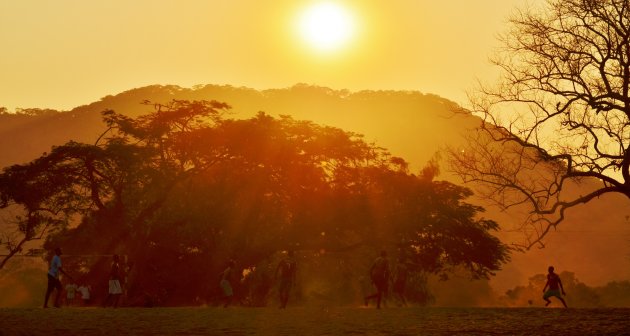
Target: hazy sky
{"x":65,"y":53}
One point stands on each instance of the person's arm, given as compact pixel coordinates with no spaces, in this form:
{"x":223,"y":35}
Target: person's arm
{"x":65,"y":273}
{"x":278,"y":269}
{"x":60,"y":268}
{"x":561,"y":287}
{"x":546,"y":284}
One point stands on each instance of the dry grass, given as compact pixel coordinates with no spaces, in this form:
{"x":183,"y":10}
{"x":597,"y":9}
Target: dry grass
{"x":314,"y":321}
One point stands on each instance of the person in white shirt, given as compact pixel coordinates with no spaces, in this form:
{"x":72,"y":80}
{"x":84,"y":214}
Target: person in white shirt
{"x":85,"y":294}
{"x":71,"y":289}
{"x":115,"y":287}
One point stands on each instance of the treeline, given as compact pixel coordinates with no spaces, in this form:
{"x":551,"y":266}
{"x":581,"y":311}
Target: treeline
{"x":181,"y":190}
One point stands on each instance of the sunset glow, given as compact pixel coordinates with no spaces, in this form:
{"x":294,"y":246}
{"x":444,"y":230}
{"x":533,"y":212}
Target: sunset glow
{"x":326,"y":26}
{"x":315,"y":167}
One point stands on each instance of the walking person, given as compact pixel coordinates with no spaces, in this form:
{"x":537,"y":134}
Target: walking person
{"x":286,"y":274}
{"x":226,"y":283}
{"x":379,"y":273}
{"x":555,"y":285}
{"x":53,"y":278}
{"x":400,"y":280}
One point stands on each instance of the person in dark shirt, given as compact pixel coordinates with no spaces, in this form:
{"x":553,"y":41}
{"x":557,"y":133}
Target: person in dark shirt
{"x":400,"y":280}
{"x":555,"y":286}
{"x":226,"y":283}
{"x":286,"y":273}
{"x":379,"y":273}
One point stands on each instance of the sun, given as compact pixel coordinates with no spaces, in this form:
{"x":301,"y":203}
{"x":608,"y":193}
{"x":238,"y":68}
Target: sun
{"x":326,"y":26}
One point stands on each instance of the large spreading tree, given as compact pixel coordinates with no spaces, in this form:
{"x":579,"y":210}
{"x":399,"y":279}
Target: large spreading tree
{"x":182,"y":189}
{"x":559,"y":115}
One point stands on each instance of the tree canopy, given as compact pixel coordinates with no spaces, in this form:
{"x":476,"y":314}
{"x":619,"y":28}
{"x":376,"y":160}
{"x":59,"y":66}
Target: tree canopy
{"x":183,"y":189}
{"x":558,"y":116}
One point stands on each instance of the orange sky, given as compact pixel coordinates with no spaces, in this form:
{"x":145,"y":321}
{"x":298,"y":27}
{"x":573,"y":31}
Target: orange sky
{"x":64,"y":53}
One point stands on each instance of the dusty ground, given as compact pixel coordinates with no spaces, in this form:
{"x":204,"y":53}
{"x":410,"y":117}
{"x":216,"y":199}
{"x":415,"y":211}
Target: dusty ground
{"x":314,"y":321}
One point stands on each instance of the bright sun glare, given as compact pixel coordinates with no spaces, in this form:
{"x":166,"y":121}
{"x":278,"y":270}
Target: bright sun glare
{"x":326,"y":26}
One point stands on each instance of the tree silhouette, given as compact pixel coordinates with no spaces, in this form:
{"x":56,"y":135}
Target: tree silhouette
{"x":124,"y":178}
{"x":181,"y":190}
{"x":42,"y":194}
{"x":560,"y":114}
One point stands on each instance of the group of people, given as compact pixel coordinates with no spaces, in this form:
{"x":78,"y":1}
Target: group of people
{"x":115,"y":287}
{"x":380,"y":276}
{"x":73,"y":289}
{"x":285,"y":276}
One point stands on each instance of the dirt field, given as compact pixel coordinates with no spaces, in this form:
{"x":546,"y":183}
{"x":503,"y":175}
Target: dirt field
{"x":314,"y":321}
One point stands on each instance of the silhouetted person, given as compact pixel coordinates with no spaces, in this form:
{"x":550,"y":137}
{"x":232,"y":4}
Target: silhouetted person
{"x":85,"y":294}
{"x":400,"y":280}
{"x":53,"y":278}
{"x":226,"y":283}
{"x":286,"y":271}
{"x":71,"y":290}
{"x":115,"y":287}
{"x":555,"y":285}
{"x":379,"y":273}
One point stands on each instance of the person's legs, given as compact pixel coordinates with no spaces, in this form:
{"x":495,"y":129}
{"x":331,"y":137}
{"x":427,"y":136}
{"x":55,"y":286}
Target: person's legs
{"x":380,"y":291}
{"x":49,"y":290}
{"x":228,"y":292}
{"x":370,"y":297}
{"x":58,"y":294}
{"x":228,"y":300}
{"x":282,"y":294}
{"x":563,"y":302}
{"x":399,"y":293}
{"x":286,"y":290}
{"x":546,"y":298}
{"x":283,"y":298}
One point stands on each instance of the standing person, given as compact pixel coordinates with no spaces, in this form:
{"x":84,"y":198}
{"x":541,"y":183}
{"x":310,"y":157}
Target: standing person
{"x":53,"y":278}
{"x":115,"y":288}
{"x":85,"y":294}
{"x":379,"y":273}
{"x":286,"y":270}
{"x":71,"y":290}
{"x":555,"y":285}
{"x":226,"y":283}
{"x":400,"y":280}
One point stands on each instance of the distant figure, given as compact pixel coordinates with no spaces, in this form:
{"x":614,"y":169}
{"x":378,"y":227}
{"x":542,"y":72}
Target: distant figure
{"x":286,"y":270}
{"x":71,"y":290}
{"x":115,"y":288}
{"x":400,"y":280}
{"x":226,"y":283}
{"x":53,"y":278}
{"x":379,"y":273}
{"x":85,"y":294}
{"x":555,"y":285}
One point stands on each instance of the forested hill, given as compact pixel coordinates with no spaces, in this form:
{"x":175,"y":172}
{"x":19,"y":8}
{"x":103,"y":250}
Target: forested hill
{"x":408,"y":123}
{"x":593,"y":242}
